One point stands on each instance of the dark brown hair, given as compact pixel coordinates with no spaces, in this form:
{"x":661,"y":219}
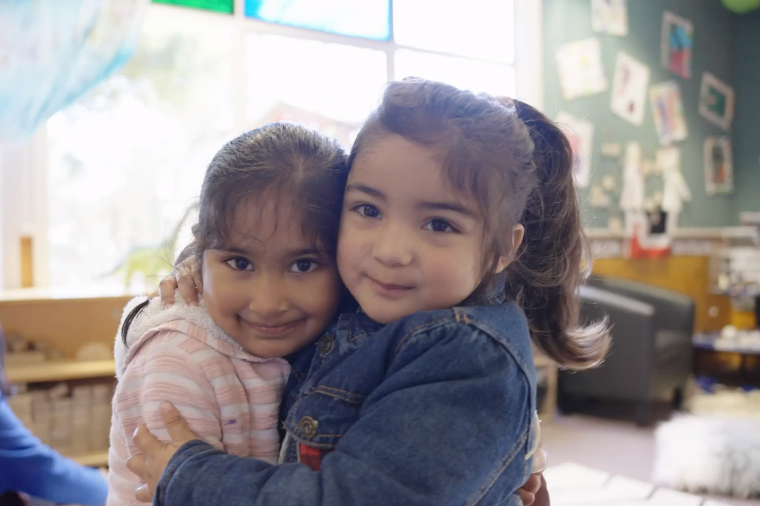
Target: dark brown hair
{"x":518,"y":166}
{"x":284,"y":161}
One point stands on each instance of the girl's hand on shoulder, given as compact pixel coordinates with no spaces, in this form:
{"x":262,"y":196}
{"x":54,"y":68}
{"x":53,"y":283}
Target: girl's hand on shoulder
{"x":154,"y":455}
{"x":187,"y":278}
{"x":533,"y":492}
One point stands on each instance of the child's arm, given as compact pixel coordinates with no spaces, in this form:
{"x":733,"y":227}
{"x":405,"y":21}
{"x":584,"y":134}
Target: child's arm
{"x":414,"y":443}
{"x":160,"y":371}
{"x":28,"y":466}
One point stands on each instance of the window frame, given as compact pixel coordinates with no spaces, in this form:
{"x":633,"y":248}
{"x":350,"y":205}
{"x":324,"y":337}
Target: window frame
{"x":23,"y":198}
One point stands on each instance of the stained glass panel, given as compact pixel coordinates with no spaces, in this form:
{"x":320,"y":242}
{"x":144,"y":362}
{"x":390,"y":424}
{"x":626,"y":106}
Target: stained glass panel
{"x":225,"y":6}
{"x":369,"y":19}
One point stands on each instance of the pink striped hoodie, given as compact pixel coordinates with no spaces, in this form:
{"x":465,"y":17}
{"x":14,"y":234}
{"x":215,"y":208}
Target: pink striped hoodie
{"x":229,"y":397}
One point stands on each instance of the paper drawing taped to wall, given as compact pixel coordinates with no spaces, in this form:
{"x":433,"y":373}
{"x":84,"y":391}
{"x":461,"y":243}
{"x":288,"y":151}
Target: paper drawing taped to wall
{"x":667,"y":109}
{"x":610,"y":16}
{"x":580,"y":133}
{"x":719,"y":170}
{"x":676,"y":44}
{"x":629,"y":88}
{"x":580,"y":69}
{"x":716,"y":101}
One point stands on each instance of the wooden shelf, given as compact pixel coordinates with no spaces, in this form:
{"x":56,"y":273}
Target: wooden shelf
{"x":95,"y":459}
{"x":60,"y":371}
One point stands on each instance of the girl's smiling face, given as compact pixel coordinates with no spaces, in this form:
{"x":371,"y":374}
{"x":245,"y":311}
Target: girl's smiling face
{"x":408,"y":241}
{"x":268,"y":287}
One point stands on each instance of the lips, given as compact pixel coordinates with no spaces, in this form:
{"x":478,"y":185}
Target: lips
{"x":272,"y":330}
{"x":392,"y":290}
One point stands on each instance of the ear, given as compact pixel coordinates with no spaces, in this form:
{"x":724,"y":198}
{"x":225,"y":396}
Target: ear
{"x":518,"y":233}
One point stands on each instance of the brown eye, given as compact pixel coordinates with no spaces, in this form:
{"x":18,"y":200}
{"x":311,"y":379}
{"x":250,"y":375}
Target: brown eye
{"x":439,"y":225}
{"x":303,"y":266}
{"x":240,"y":264}
{"x":367,"y":210}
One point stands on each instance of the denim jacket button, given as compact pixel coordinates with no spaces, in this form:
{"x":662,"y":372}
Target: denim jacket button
{"x":326,"y":344}
{"x":308,"y":427}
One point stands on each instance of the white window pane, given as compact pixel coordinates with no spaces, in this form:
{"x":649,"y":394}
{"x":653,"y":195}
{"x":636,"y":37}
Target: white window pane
{"x":328,"y":86}
{"x":475,"y":28}
{"x":493,"y":78}
{"x":126,"y":160}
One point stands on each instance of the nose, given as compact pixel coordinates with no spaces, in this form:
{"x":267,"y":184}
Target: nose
{"x":394,"y":245}
{"x":268,"y":297}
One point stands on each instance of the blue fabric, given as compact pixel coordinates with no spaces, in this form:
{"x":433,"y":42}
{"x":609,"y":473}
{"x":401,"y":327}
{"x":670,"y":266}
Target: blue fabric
{"x":26,"y":465}
{"x":433,"y":409}
{"x":53,"y":51}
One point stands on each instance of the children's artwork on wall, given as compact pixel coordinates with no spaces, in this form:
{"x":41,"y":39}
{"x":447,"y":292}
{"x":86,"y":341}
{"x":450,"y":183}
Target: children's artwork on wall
{"x":667,"y":107}
{"x":629,"y":88}
{"x":610,"y":16}
{"x":719,"y":170}
{"x":632,"y":194}
{"x":675,"y":190}
{"x":716,"y":101}
{"x":615,"y":225}
{"x":580,"y":133}
{"x":581,"y":72}
{"x":676,"y":44}
{"x":598,"y":199}
{"x":611,"y":150}
{"x":657,"y":199}
{"x":647,"y":235}
{"x":648,"y":168}
{"x":609,"y":183}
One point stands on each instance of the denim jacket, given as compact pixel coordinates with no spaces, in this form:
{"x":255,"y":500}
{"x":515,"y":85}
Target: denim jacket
{"x":436,"y":408}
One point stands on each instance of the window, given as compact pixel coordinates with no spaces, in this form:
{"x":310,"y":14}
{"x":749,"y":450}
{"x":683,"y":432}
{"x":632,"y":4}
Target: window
{"x":126,"y":161}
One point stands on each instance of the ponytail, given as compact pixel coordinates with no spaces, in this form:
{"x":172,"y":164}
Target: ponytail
{"x":518,"y":166}
{"x":547,"y":270}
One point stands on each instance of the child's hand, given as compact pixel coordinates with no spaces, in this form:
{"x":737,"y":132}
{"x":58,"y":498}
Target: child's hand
{"x":154,"y":455}
{"x":187,"y":278}
{"x":533,"y":492}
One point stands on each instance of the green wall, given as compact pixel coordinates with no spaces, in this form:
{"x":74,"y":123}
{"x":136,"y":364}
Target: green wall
{"x":747,"y":121}
{"x":570,"y":20}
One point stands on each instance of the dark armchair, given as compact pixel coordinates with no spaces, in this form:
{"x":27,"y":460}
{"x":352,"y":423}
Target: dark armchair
{"x":651,"y":352}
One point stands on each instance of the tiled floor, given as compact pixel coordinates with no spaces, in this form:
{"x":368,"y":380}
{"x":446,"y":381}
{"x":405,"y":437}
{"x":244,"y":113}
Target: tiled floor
{"x":578,"y":485}
{"x":617,"y":447}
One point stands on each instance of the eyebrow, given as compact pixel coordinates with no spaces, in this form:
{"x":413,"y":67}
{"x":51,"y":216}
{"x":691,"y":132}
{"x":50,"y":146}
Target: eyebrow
{"x":448,"y":206}
{"x":429,"y":206}
{"x":366,"y":189}
{"x":305,"y":252}
{"x":292,"y":254}
{"x":232,"y":249}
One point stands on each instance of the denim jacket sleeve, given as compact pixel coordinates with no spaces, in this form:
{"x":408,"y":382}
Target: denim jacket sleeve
{"x":450,"y":420}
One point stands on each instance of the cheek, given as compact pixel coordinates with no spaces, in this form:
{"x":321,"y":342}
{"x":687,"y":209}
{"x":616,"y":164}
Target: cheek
{"x":321,"y":296}
{"x":221,"y":292}
{"x":455,"y":272}
{"x":353,"y":247}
